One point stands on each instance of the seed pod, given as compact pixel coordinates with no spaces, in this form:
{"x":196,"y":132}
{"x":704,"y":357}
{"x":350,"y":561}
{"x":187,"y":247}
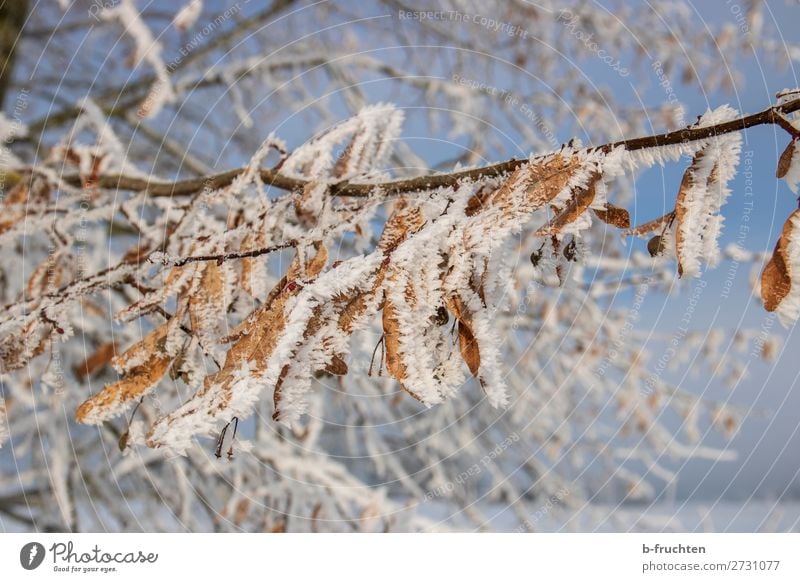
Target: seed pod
{"x":536,"y":257}
{"x":441,"y":317}
{"x":655,"y":246}
{"x":337,"y":366}
{"x":123,"y":441}
{"x":571,"y":251}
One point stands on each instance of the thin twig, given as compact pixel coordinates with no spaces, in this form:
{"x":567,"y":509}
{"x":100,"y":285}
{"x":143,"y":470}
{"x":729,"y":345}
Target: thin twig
{"x":781,"y":120}
{"x":222,"y":257}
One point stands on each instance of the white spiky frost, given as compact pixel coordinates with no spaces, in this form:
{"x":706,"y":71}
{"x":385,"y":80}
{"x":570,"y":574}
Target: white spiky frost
{"x":702,"y":222}
{"x":147,"y":50}
{"x":373,"y":130}
{"x":201,"y":414}
{"x":188,"y":15}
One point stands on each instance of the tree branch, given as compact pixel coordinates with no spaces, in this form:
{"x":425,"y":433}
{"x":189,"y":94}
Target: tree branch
{"x":771,"y":116}
{"x":222,"y":257}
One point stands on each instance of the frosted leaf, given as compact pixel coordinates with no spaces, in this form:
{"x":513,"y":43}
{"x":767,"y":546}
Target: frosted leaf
{"x":568,"y":219}
{"x":208,"y":298}
{"x":407,"y":358}
{"x":480,"y":346}
{"x":147,"y":50}
{"x":703,"y":191}
{"x":21,"y":342}
{"x":789,"y":165}
{"x":780,"y":281}
{"x":143,"y":365}
{"x":177,"y":280}
{"x":371,"y":133}
{"x":264,"y":343}
{"x":58,"y":472}
{"x":107,"y":153}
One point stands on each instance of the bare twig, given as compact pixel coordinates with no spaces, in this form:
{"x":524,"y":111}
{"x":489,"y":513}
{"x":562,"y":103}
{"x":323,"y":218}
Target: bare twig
{"x":222,"y":257}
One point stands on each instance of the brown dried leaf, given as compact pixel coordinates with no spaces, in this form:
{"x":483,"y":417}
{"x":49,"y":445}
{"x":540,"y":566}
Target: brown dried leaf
{"x":255,"y":340}
{"x":314,"y":267}
{"x":476,"y":203}
{"x":101,"y":356}
{"x":614,"y":215}
{"x":206,"y":303}
{"x":17,"y":196}
{"x":648,"y":227}
{"x":356,"y":306}
{"x":391,"y":338}
{"x":541,"y":183}
{"x":305,"y":202}
{"x":405,"y":221}
{"x":391,"y":341}
{"x":581,"y":199}
{"x":682,"y":208}
{"x":470,"y":350}
{"x":47,"y":277}
{"x":256,"y":337}
{"x":16,"y":350}
{"x":140,"y":351}
{"x":140,"y":379}
{"x":776,"y":281}
{"x":263,"y":330}
{"x":253,"y":240}
{"x":297,"y":271}
{"x":656,"y":246}
{"x":344,"y":162}
{"x":785,"y":161}
{"x":277,"y":394}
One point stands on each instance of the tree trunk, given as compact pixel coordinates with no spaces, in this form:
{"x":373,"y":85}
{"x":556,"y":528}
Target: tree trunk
{"x":12,"y":18}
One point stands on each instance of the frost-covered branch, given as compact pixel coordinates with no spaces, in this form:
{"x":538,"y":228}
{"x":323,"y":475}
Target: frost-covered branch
{"x":771,"y":116}
{"x":332,"y":344}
